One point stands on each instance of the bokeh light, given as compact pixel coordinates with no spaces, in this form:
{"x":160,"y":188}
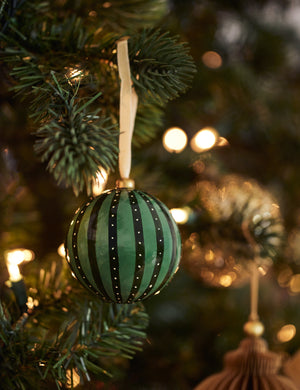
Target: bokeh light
{"x":174,"y":140}
{"x":212,"y":59}
{"x":181,"y":215}
{"x":286,"y":333}
{"x":204,"y":139}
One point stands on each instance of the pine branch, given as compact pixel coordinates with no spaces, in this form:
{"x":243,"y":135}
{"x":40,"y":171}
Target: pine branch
{"x":67,"y":330}
{"x":161,"y":66}
{"x":149,"y":120}
{"x":74,"y":142}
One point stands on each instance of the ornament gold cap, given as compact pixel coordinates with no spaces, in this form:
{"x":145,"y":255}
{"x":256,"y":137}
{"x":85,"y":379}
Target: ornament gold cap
{"x":254,"y":328}
{"x":125,"y":183}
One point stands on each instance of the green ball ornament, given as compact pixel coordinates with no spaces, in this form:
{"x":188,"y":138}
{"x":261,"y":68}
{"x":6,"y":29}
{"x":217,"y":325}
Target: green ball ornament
{"x":124,"y":245}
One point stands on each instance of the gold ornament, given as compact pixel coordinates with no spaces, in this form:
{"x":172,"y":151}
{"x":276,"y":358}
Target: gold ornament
{"x":239,"y":222}
{"x":251,"y":366}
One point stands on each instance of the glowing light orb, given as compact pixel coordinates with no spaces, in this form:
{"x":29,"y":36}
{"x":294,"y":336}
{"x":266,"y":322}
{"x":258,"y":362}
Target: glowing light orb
{"x":181,"y":216}
{"x":286,"y":333}
{"x":205,"y":139}
{"x":174,"y":140}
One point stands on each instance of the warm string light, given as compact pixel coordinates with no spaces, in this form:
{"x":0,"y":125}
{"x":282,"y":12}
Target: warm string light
{"x":204,"y":139}
{"x":174,"y":140}
{"x":13,"y":258}
{"x":181,"y":215}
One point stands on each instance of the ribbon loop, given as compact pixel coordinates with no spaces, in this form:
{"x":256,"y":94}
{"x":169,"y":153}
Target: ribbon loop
{"x":128,"y":108}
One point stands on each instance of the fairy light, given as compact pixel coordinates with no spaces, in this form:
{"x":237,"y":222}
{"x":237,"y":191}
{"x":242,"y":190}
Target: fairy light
{"x":14,"y":272}
{"x":174,"y":140}
{"x":18,"y":256}
{"x":204,"y":139}
{"x":13,"y":258}
{"x":286,"y":333}
{"x":100,"y":181}
{"x":180,"y":215}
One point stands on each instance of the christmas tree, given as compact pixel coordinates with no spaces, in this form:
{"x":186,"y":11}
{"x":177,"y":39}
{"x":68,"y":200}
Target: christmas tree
{"x":237,"y":80}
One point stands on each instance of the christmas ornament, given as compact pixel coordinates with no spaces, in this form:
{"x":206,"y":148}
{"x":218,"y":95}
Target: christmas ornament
{"x":252,"y":365}
{"x":124,"y":245}
{"x":238,"y":220}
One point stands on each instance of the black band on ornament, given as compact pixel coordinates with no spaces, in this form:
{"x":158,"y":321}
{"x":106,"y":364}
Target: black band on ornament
{"x":113,"y":246}
{"x":86,"y":282}
{"x":92,"y":237}
{"x":159,"y":243}
{"x":139,"y":245}
{"x":174,"y":243}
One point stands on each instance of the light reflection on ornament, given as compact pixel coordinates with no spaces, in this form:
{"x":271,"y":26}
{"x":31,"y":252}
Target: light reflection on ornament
{"x":212,"y":59}
{"x":100,"y":181}
{"x":204,"y":139}
{"x":286,"y":333}
{"x":181,"y":215}
{"x":174,"y":140}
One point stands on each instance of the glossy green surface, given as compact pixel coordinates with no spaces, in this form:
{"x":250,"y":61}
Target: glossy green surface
{"x":126,"y":256}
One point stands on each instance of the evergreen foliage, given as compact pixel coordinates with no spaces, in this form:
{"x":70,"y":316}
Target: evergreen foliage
{"x":43,"y":39}
{"x":65,"y":329}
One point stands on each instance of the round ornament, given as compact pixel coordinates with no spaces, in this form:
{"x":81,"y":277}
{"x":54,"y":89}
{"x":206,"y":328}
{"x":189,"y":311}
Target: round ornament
{"x":238,"y":223}
{"x":124,"y":246}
